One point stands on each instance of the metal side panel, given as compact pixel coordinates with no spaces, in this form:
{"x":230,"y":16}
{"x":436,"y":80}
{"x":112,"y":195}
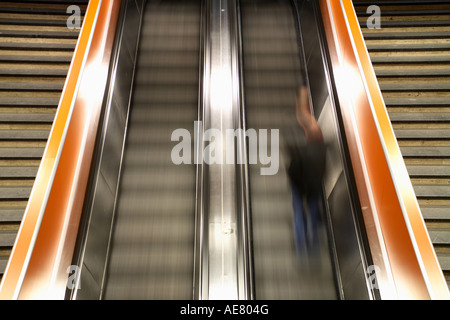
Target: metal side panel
{"x":94,"y":236}
{"x":349,"y":245}
{"x":222,"y":256}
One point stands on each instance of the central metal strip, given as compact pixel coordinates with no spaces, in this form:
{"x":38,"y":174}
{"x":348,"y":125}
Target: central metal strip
{"x":221,"y":262}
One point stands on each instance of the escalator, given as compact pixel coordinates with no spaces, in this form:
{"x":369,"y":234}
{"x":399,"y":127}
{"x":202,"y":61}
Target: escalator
{"x":186,"y":230}
{"x":151,"y":254}
{"x":157,"y":227}
{"x":272,"y":75}
{"x":36,"y":48}
{"x":410,"y":53}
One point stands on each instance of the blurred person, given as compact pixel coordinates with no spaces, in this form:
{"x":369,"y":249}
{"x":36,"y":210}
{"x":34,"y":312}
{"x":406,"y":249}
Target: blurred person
{"x":306,"y":167}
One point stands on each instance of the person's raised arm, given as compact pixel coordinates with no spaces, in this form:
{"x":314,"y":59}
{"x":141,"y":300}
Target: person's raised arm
{"x":304,"y":117}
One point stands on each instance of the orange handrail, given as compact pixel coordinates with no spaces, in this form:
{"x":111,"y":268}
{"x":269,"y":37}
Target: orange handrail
{"x":44,"y":246}
{"x":398,"y":238}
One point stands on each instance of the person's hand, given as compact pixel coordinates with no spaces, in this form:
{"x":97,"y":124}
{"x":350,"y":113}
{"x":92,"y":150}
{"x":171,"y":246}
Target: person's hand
{"x":305,"y":119}
{"x":314,"y":133}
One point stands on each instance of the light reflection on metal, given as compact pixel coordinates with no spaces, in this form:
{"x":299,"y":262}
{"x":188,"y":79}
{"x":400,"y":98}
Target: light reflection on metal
{"x":220,"y":260}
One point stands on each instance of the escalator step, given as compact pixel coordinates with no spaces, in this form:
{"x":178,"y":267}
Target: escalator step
{"x":35,"y":56}
{"x":39,"y":7}
{"x":18,"y":172}
{"x":414,"y":84}
{"x":422,"y":133}
{"x":7,"y":238}
{"x":24,"y":134}
{"x":27,"y":117}
{"x":37,"y":43}
{"x":8,"y":214}
{"x":434,"y":212}
{"x":3,"y":263}
{"x":417,"y":98}
{"x":409,"y":56}
{"x":440,"y":236}
{"x":425,"y":151}
{"x":414,"y":69}
{"x":14,"y":193}
{"x":440,"y":19}
{"x":432,"y":190}
{"x":412,"y":116}
{"x":21,"y":153}
{"x":38,"y":69}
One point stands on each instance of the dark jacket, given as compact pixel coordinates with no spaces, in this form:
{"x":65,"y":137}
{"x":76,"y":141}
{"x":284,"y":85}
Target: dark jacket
{"x":306,"y":161}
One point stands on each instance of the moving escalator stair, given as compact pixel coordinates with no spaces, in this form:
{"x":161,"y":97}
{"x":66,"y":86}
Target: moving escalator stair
{"x":152,"y":245}
{"x":272,"y":75}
